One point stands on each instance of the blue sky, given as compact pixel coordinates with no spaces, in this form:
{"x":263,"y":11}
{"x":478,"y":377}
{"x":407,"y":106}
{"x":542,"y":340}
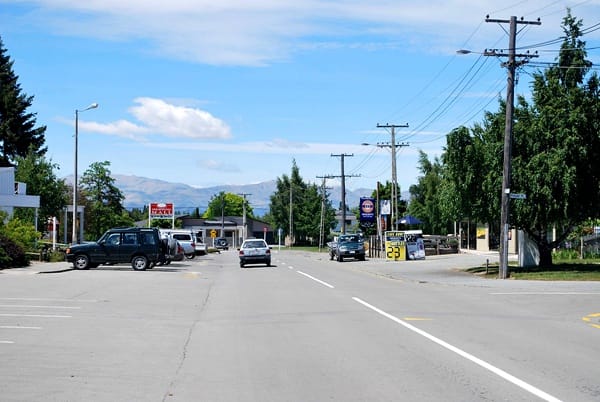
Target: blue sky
{"x":231,"y":91}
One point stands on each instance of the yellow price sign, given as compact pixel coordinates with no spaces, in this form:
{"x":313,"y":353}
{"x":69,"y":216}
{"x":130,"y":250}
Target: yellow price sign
{"x":395,"y":251}
{"x":213,"y":233}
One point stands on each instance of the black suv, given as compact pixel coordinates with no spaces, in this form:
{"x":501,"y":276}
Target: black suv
{"x":221,"y":243}
{"x":141,"y":247}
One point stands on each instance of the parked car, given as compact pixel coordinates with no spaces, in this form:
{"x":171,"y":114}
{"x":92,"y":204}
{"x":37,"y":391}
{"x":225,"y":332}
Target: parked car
{"x":221,"y":243}
{"x":185,"y":237}
{"x":255,"y":251}
{"x":141,"y":247}
{"x":201,"y":247}
{"x":347,"y":246}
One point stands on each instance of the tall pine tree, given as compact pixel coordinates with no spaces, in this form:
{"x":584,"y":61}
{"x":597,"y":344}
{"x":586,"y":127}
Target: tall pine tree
{"x":18,"y":131}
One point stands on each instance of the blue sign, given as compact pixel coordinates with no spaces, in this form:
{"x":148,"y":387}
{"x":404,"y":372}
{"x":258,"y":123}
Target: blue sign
{"x":367,"y":211}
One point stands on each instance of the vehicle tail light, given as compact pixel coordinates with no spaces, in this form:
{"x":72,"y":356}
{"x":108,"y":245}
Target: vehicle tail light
{"x":241,"y":252}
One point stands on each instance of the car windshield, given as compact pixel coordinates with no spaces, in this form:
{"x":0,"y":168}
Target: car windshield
{"x":348,"y":238}
{"x":255,"y":244}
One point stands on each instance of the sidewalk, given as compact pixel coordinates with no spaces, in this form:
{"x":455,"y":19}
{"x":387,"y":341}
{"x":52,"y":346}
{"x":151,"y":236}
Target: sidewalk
{"x":38,"y":267}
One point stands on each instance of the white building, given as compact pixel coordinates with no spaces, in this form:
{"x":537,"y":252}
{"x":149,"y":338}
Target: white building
{"x":14,"y":194}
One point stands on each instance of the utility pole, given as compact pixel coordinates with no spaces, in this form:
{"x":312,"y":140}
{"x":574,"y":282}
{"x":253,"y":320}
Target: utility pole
{"x":321,"y":225}
{"x":393,"y":147}
{"x":343,"y":177}
{"x":291,"y":215}
{"x":511,"y":65}
{"x":244,"y":224}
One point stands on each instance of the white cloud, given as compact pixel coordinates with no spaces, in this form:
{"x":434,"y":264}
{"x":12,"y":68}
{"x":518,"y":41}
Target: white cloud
{"x":219,"y":166}
{"x":241,"y":32}
{"x":157,"y":117}
{"x":178,"y":121}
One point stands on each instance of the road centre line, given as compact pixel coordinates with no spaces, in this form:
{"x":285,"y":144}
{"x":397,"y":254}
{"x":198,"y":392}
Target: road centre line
{"x":315,"y":279}
{"x":49,"y":299}
{"x":546,"y":293}
{"x":30,"y":306}
{"x":499,"y":372}
{"x":7,"y":342}
{"x":17,"y":327}
{"x":35,"y":315}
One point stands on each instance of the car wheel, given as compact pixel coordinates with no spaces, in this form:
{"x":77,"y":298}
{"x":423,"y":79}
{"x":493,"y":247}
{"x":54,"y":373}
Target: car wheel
{"x":81,"y":262}
{"x":190,"y":256}
{"x":340,"y":258}
{"x":139,"y":263}
{"x":268,"y":263}
{"x":241,"y":265}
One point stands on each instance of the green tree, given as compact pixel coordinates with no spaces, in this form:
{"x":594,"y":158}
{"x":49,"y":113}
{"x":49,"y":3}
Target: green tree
{"x":425,"y":196}
{"x":385,"y":193}
{"x":103,"y":201}
{"x":305,"y":203}
{"x":555,"y":157}
{"x":227,"y":204}
{"x":38,"y":174}
{"x":557,"y":147}
{"x":18,"y":134}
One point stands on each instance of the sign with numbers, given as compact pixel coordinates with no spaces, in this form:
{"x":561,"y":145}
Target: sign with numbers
{"x":395,"y":246}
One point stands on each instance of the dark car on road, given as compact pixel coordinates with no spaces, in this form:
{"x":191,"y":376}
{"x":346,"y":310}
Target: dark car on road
{"x":221,"y":243}
{"x":347,"y":246}
{"x":140,"y":247}
{"x":255,"y":251}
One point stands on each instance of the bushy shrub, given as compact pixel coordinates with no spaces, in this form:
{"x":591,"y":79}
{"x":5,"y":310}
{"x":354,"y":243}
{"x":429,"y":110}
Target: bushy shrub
{"x":566,"y":254}
{"x":16,"y":237}
{"x":22,"y":233}
{"x":12,"y":254}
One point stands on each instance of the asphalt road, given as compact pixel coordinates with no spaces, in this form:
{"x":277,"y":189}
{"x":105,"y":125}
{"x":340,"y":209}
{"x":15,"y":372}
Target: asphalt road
{"x":306,"y":329}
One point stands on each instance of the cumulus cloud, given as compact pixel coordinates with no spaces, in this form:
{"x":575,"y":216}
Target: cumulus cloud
{"x":157,"y":117}
{"x":178,"y":121}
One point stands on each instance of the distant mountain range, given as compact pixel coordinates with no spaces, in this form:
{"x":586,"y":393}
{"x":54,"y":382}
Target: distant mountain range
{"x":140,"y":191}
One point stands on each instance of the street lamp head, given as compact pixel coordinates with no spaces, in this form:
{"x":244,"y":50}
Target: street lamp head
{"x":463,"y":51}
{"x":92,"y":106}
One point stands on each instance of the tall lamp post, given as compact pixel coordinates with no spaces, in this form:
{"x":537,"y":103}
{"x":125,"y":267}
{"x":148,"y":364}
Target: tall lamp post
{"x":77,"y":111}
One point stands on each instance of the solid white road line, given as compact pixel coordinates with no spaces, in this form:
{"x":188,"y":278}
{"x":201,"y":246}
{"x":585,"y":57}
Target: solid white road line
{"x":545,"y":293}
{"x":17,"y":327}
{"x":35,"y":315}
{"x":28,"y":306}
{"x":315,"y":279}
{"x":48,"y":299}
{"x":499,"y":372}
{"x":6,"y":342}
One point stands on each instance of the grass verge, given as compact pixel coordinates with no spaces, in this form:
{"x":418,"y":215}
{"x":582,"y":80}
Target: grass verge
{"x":561,"y":270}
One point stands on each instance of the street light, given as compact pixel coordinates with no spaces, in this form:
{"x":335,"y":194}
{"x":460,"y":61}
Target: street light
{"x":74,"y":235}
